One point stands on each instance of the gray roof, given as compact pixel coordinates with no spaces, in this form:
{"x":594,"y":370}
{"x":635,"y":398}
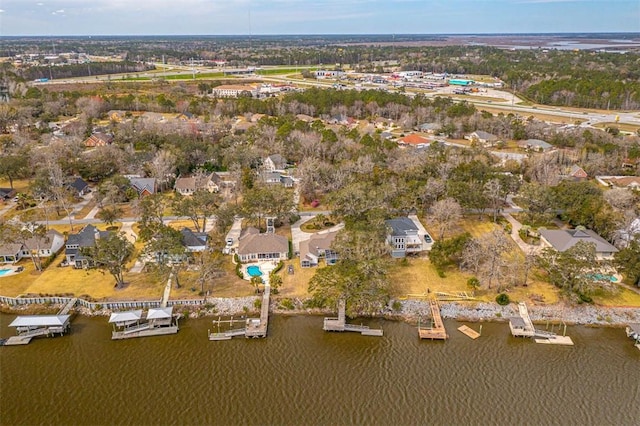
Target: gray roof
{"x":10,"y":249}
{"x":316,"y":243}
{"x":538,"y":143}
{"x":517,"y":322}
{"x":399,"y":226}
{"x":277,"y":160}
{"x":193,"y":239}
{"x":253,"y":242}
{"x":86,"y":237}
{"x":142,"y":184}
{"x":44,"y":242}
{"x":40,"y":321}
{"x":79,"y":184}
{"x":160,"y":313}
{"x":562,"y":239}
{"x":485,"y":135}
{"x":128,"y":316}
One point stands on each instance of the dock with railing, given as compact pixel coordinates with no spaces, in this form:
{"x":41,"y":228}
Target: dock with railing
{"x":253,"y":327}
{"x":340,"y":324}
{"x":522,"y":326}
{"x":31,"y":326}
{"x":436,"y":330}
{"x":633,"y":331}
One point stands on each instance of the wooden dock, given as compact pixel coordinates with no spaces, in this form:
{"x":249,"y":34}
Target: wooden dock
{"x":340,"y":324}
{"x":66,"y":308}
{"x":469,"y":332}
{"x":522,"y":326}
{"x":253,"y":327}
{"x":436,"y":331}
{"x":131,"y":324}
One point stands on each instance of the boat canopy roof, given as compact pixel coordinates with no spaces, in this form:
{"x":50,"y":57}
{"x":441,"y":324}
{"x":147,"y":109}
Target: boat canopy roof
{"x":635,"y":328}
{"x":160,"y":313}
{"x":41,"y":321}
{"x":128,"y":316}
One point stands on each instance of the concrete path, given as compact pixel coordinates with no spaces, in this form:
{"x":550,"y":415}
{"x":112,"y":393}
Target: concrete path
{"x":515,"y":235}
{"x":5,"y":209}
{"x":298,"y":235}
{"x":167,"y":292}
{"x":421,"y":232}
{"x":234,"y":234}
{"x":92,"y":214}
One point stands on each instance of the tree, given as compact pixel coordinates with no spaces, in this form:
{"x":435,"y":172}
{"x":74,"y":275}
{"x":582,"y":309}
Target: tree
{"x":151,"y":213}
{"x":445,"y":214}
{"x":166,"y":248}
{"x":13,"y":166}
{"x":209,"y":265}
{"x":444,"y":253}
{"x":109,"y":215}
{"x":574,"y":269}
{"x":110,"y":253}
{"x":484,"y":256}
{"x":198,"y":207}
{"x":628,"y":261}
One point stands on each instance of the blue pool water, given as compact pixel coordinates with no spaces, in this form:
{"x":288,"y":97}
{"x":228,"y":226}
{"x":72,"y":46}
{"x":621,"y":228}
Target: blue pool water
{"x":4,"y":271}
{"x":254,"y":271}
{"x":602,"y":277}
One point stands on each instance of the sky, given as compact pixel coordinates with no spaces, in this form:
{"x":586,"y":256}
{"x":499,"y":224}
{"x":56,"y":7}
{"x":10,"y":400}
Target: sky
{"x":244,"y":17}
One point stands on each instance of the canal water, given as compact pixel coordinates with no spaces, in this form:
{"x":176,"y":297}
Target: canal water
{"x":301,"y":375}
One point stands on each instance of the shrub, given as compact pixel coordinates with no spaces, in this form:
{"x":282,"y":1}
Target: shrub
{"x":502,"y":299}
{"x":473,"y":283}
{"x":257,"y":304}
{"x":396,"y":306}
{"x":441,"y":273}
{"x":287,"y":304}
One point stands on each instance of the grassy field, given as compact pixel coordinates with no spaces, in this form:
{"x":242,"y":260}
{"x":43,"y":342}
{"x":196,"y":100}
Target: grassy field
{"x":296,"y":284}
{"x":622,"y":126}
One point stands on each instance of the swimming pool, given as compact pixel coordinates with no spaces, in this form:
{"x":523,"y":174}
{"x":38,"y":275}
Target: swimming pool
{"x":5,"y":271}
{"x":254,"y":271}
{"x":603,"y":277}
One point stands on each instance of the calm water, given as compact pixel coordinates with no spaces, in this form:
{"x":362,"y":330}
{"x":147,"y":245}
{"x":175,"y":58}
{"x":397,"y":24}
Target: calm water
{"x":301,"y":375}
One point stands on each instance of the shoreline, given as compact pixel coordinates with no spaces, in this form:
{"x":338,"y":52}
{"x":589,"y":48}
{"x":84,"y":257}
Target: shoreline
{"x":411,"y":310}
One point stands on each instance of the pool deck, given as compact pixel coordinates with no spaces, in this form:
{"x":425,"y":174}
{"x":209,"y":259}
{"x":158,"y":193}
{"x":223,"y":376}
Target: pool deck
{"x":11,"y":270}
{"x":265,"y":267}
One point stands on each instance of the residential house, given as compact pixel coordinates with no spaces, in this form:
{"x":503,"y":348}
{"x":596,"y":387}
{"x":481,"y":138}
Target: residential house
{"x":242,"y":126}
{"x":143,"y":186}
{"x":7,"y":193}
{"x":117,"y":116}
{"x":274,"y":162}
{"x":576,"y":173}
{"x":271,"y":177}
{"x":563,"y":239}
{"x":403,"y":237}
{"x":414,"y":140}
{"x":328,"y":73}
{"x":48,"y":245}
{"x":254,"y":246}
{"x":629,"y":182}
{"x":79,"y":187}
{"x":11,"y":252}
{"x":194,"y":242}
{"x":318,"y":247}
{"x":429,"y":127}
{"x":187,"y":117}
{"x":152,"y":117}
{"x":286,"y":181}
{"x":630,"y":163}
{"x":98,"y":139}
{"x":198,"y":182}
{"x":483,"y":138}
{"x":83,"y":240}
{"x":304,"y":117}
{"x":535,"y":145}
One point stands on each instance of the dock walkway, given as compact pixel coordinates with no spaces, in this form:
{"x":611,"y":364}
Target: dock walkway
{"x":340,"y":324}
{"x":66,"y":308}
{"x":253,"y":327}
{"x":437,"y":330}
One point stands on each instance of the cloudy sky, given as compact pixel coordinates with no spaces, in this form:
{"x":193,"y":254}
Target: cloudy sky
{"x":134,"y":17}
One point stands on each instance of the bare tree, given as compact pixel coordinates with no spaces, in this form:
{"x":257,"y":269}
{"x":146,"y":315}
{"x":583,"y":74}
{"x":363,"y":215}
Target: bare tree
{"x":445,"y":214}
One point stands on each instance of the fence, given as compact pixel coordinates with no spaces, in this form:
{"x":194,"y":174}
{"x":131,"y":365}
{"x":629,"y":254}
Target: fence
{"x":113,"y":305}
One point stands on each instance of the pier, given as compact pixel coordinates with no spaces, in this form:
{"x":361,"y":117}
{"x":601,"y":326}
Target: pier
{"x":253,"y":327}
{"x":469,"y":332}
{"x":522,"y":326}
{"x":130,"y":324}
{"x":30,"y":326}
{"x":66,"y":308}
{"x":340,"y":324}
{"x":633,"y":331}
{"x":436,"y":331}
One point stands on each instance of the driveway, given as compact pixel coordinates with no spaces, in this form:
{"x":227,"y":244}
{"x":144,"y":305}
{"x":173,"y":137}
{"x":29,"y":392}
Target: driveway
{"x":515,"y":229}
{"x":298,"y":235}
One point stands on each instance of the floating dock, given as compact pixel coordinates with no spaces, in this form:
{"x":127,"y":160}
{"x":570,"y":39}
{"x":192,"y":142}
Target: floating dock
{"x":340,"y":324}
{"x":469,"y":332}
{"x":253,"y":327}
{"x":131,"y":324}
{"x":436,"y":331}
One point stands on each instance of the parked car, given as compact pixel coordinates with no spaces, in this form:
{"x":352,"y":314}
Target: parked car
{"x":427,"y":239}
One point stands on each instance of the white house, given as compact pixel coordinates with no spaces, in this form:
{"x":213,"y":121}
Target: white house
{"x":234,"y":91}
{"x":403,"y":237}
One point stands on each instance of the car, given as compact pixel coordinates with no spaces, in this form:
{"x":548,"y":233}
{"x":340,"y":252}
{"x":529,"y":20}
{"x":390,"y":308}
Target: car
{"x":15,"y":199}
{"x":428,"y":239}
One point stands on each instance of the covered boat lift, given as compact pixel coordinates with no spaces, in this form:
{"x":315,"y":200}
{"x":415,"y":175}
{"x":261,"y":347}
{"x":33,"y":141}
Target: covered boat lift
{"x":30,"y":326}
{"x":130,"y":324}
